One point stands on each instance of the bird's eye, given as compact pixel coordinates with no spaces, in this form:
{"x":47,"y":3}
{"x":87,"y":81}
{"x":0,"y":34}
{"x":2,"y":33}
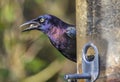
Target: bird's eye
{"x":42,"y":20}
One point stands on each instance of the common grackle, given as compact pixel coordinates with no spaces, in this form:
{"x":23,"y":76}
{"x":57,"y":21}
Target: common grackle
{"x":60,"y":34}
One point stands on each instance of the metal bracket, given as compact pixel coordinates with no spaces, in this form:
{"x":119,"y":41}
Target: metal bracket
{"x":90,"y":68}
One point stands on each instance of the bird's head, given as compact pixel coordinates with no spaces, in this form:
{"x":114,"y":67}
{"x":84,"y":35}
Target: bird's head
{"x":43,"y":23}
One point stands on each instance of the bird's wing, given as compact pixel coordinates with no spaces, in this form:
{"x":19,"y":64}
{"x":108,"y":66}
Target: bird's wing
{"x":71,"y":32}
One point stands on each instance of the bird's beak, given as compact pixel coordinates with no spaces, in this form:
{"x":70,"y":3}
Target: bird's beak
{"x":30,"y":25}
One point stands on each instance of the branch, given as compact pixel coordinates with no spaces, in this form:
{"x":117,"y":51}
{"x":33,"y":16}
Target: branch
{"x":47,"y":73}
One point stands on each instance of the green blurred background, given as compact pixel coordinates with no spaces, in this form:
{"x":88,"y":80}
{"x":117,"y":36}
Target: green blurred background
{"x":29,"y":57}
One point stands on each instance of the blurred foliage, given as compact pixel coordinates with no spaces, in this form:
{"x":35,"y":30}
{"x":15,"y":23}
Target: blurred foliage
{"x":29,"y":57}
{"x":34,"y":66}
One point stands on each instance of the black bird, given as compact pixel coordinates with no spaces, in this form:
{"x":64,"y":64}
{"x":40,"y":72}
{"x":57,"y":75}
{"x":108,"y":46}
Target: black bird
{"x":60,"y":34}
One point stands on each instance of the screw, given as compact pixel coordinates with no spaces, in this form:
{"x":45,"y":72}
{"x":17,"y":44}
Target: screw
{"x":78,"y":76}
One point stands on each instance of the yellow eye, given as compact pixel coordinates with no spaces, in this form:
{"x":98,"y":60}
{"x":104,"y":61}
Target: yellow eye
{"x":42,"y":20}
